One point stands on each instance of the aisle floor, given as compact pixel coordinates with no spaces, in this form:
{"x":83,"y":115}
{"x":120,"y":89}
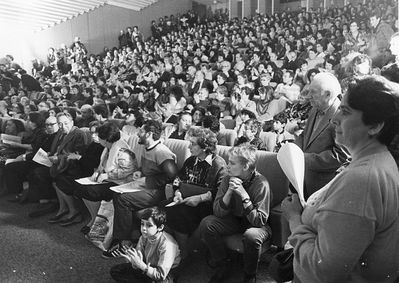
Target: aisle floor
{"x":34,"y":251}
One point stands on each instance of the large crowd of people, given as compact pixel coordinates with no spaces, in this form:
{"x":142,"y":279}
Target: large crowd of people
{"x":314,"y":78}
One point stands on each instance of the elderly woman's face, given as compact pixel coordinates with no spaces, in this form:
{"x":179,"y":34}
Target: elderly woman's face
{"x":194,"y":148}
{"x":350,"y":130}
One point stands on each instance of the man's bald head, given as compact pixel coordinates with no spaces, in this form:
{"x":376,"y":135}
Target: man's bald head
{"x":323,"y":90}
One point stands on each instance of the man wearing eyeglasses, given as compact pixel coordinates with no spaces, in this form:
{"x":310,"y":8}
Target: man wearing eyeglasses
{"x":69,"y":139}
{"x":16,"y":172}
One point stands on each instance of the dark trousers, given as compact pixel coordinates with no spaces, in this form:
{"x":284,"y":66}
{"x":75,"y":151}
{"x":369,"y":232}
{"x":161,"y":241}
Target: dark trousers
{"x":185,"y":219}
{"x":126,"y":273}
{"x":16,"y":173}
{"x":40,"y":183}
{"x":125,"y":205}
{"x":213,"y":229}
{"x":94,"y":192}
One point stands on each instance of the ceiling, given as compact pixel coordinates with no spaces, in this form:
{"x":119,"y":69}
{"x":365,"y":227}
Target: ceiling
{"x":33,"y":15}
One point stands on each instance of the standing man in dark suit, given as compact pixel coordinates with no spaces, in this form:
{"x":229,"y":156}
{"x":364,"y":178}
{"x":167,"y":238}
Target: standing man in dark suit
{"x":322,"y":155}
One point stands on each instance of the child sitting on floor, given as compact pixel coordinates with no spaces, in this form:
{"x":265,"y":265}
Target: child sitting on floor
{"x":155,"y":255}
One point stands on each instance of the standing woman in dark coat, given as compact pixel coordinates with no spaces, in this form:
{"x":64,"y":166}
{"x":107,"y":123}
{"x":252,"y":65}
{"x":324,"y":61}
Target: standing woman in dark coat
{"x":205,"y":169}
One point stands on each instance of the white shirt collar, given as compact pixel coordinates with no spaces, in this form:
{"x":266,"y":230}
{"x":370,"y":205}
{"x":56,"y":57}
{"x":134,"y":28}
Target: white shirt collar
{"x":208,"y":159}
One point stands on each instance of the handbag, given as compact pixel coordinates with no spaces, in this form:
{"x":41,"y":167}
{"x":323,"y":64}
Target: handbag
{"x":281,"y":266}
{"x":188,"y":190}
{"x":101,"y":231}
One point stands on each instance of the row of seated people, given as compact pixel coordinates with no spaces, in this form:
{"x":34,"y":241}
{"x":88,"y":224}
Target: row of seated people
{"x":235,"y":193}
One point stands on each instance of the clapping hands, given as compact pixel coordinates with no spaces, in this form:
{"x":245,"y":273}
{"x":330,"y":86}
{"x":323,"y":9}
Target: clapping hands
{"x":134,"y":256}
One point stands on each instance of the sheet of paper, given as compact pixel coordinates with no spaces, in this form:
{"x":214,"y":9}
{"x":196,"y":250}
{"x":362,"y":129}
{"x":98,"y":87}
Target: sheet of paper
{"x":11,"y":160}
{"x":86,"y":181}
{"x":292,"y":162}
{"x":9,"y":139}
{"x":41,"y":157}
{"x":131,"y":187}
{"x":171,"y":204}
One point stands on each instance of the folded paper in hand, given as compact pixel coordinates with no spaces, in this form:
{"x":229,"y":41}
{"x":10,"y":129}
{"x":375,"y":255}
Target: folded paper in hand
{"x":10,"y":160}
{"x":130,"y":187}
{"x":7,"y":139}
{"x":86,"y":181}
{"x":41,"y":157}
{"x":171,"y":204}
{"x":292,"y":162}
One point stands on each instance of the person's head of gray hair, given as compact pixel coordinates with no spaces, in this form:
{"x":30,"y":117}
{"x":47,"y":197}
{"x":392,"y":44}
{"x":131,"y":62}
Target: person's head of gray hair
{"x":323,"y":90}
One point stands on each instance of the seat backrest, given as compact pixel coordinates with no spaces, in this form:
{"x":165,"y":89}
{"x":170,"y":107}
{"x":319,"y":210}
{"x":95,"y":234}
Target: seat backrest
{"x":180,"y":148}
{"x":268,"y":139}
{"x":119,"y":122}
{"x":230,"y":135}
{"x":228,"y":123}
{"x":133,"y":142}
{"x":269,"y":167}
{"x":223,"y":151}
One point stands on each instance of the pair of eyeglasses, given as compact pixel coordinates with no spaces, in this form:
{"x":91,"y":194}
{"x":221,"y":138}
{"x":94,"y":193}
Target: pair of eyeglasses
{"x":50,"y":124}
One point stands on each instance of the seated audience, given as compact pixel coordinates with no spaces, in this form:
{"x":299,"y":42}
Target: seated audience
{"x":241,"y":205}
{"x":133,"y":123}
{"x":278,"y":136}
{"x":250,"y":135}
{"x":69,"y":139}
{"x":117,"y":165}
{"x":179,"y":131}
{"x":202,"y":172}
{"x":158,"y":166}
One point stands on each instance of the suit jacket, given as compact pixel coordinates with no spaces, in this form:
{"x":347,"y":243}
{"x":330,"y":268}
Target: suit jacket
{"x":75,"y":141}
{"x":322,"y":155}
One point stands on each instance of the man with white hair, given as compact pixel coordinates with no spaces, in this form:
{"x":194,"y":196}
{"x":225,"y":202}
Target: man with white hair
{"x":87,"y":116}
{"x":322,"y":155}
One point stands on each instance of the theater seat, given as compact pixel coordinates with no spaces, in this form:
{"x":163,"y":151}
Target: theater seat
{"x":119,"y":122}
{"x":180,"y":148}
{"x":230,"y":136}
{"x":268,"y":166}
{"x":228,"y":123}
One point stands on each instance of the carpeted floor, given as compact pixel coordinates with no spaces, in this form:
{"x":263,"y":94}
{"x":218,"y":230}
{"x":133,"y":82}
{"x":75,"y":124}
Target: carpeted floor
{"x":31,"y":250}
